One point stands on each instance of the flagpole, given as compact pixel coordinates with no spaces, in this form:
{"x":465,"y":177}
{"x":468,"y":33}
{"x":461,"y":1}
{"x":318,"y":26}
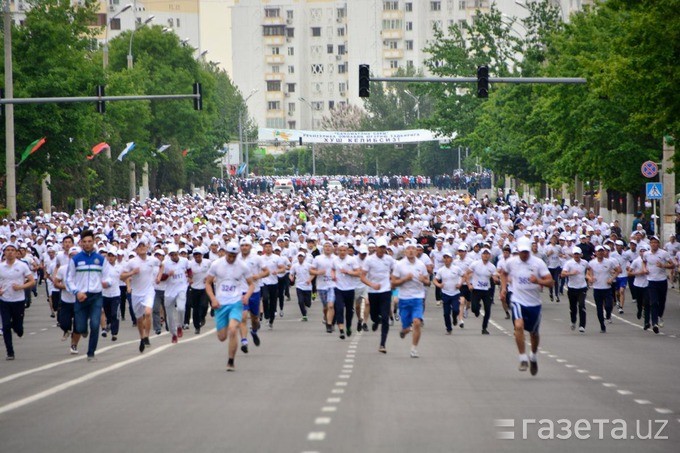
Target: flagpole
{"x":10,"y":169}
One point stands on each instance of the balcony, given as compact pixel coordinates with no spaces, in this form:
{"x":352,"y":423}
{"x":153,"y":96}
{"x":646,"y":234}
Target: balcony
{"x":393,"y":54}
{"x":274,"y":76}
{"x":395,"y":14}
{"x":274,"y":40}
{"x":273,"y":21}
{"x":274,"y":59}
{"x":392,"y":34}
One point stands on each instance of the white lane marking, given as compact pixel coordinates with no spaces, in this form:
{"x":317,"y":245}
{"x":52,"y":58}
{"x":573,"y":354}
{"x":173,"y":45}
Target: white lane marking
{"x":662,"y":410}
{"x":322,"y":420}
{"x":581,"y":371}
{"x":608,"y":384}
{"x":32,"y":333}
{"x":348,"y":366}
{"x":643,"y":401}
{"x":329,"y":409}
{"x":569,"y":365}
{"x":343,"y":376}
{"x":341,"y":384}
{"x":542,"y":352}
{"x":624,"y":392}
{"x":595,"y":378}
{"x":617,"y":317}
{"x":552,"y":356}
{"x":338,"y":391}
{"x":333,"y":400}
{"x":87,"y":377}
{"x":316,"y":435}
{"x":48,"y":366}
{"x":349,"y":360}
{"x":561,"y":360}
{"x":43,"y":330}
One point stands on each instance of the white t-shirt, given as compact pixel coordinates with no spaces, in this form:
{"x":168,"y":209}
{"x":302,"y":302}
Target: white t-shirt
{"x":523,"y":291}
{"x":17,"y":273}
{"x":577,"y":281}
{"x":344,"y":281}
{"x":378,"y":270}
{"x":112,"y":277}
{"x":66,"y":296}
{"x":481,"y":273}
{"x":229,"y":280}
{"x":324,"y":263}
{"x":142,"y":284}
{"x":656,"y":273}
{"x":603,"y":272}
{"x":271,"y":262}
{"x":198,"y":273}
{"x":637,"y":266}
{"x":301,"y":274}
{"x":256,"y":266}
{"x":177,"y":282}
{"x":412,"y":288}
{"x":450,"y":277}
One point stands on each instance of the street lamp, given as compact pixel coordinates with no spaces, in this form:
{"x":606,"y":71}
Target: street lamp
{"x":417,"y":100}
{"x":132,"y":34}
{"x":240,"y":131}
{"x":311,"y":108}
{"x":203,"y":54}
{"x":105,"y":59}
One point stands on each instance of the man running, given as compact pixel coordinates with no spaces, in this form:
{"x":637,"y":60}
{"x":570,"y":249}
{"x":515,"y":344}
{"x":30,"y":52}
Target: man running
{"x":449,"y":279}
{"x":376,"y":273}
{"x":576,"y":269}
{"x":15,"y":278}
{"x":258,"y":271}
{"x":525,"y":275}
{"x":229,"y":276}
{"x":174,"y":270}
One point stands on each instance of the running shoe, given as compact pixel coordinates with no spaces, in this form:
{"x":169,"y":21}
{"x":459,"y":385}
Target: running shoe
{"x":180,"y":332}
{"x":304,"y":319}
{"x":281,"y":314}
{"x":271,"y":325}
{"x":256,"y":338}
{"x":104,"y":333}
{"x":342,"y":334}
{"x":230,"y":365}
{"x":523,"y":365}
{"x":391,"y":321}
{"x":402,"y":333}
{"x":142,"y":345}
{"x":462,"y":324}
{"x":620,"y":311}
{"x":359,"y":326}
{"x":414,"y":354}
{"x":382,"y":349}
{"x":91,"y":358}
{"x":507,"y":315}
{"x":73,"y":349}
{"x":573,"y":326}
{"x":114,"y":338}
{"x":655,"y":328}
{"x":439,"y":303}
{"x":329,"y":328}
{"x":146,"y":341}
{"x":349,"y":331}
{"x":197,"y":330}
{"x":465,"y":313}
{"x":364,"y":327}
{"x":485,"y":332}
{"x":533,"y":367}
{"x":551,"y":298}
{"x":448,"y":332}
{"x":396,"y":317}
{"x":158,"y":331}
{"x":174,"y":338}
{"x":66,"y":335}
{"x":455,"y":321}
{"x":244,"y":346}
{"x":374,"y":327}
{"x":609,"y":320}
{"x":557,"y":301}
{"x":660,"y":321}
{"x":9,"y":357}
{"x":185,"y":327}
{"x":582,"y":329}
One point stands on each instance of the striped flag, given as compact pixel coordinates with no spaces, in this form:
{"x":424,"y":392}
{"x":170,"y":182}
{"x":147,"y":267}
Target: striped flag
{"x":33,"y":147}
{"x":162,"y":148}
{"x":129,"y":147}
{"x":98,"y":148}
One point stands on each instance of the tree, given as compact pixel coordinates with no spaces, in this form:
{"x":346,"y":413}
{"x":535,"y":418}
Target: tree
{"x":341,"y":159}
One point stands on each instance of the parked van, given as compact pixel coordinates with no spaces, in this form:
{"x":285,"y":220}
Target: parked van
{"x":334,"y":185}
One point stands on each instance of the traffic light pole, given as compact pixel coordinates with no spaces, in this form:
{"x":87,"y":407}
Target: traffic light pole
{"x":98,"y":99}
{"x":549,"y":80}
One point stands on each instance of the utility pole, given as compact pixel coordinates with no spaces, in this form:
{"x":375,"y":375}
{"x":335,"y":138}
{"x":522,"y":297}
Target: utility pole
{"x":10,"y":169}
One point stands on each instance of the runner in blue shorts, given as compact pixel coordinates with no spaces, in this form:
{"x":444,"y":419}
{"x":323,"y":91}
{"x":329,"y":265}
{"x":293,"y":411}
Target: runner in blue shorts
{"x":228,"y":277}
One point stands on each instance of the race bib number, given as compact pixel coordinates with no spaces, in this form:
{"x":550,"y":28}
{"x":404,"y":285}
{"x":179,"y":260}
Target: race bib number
{"x":482,"y":284}
{"x":227,"y":288}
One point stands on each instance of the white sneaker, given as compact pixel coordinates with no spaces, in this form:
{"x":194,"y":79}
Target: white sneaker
{"x":660,"y":322}
{"x":414,"y":354}
{"x":462,"y":324}
{"x":573,"y":327}
{"x":582,"y":329}
{"x":73,"y":349}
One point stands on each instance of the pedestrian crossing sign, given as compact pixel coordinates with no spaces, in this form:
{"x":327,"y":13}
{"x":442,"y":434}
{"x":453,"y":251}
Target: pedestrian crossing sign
{"x":654,"y":191}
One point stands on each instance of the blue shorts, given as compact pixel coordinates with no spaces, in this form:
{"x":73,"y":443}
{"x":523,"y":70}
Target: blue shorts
{"x":621,"y":282}
{"x":254,"y":303}
{"x":226,"y":313}
{"x":327,"y":296}
{"x":410,"y":309}
{"x":530,"y":315}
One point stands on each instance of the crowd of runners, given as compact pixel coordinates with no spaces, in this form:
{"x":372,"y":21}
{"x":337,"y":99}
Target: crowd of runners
{"x":366,"y":257}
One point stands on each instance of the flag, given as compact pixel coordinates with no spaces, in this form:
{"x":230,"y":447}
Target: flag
{"x":129,"y":147}
{"x":162,"y":148}
{"x":241,"y":169}
{"x":185,"y":152}
{"x":33,"y":147}
{"x":98,"y":148}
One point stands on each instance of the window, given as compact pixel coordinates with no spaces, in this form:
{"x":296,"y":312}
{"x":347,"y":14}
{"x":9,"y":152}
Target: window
{"x":316,"y":50}
{"x":291,"y":69}
{"x":273,"y":85}
{"x":291,"y":124}
{"x":391,"y":24}
{"x":435,"y":24}
{"x":408,"y":7}
{"x":275,"y":123}
{"x":394,"y":64}
{"x":436,"y":6}
{"x":171,"y":22}
{"x":273,"y":105}
{"x":409,"y":26}
{"x":275,"y":50}
{"x":317,"y":69}
{"x":461,"y":4}
{"x":409,"y":45}
{"x":315,"y":14}
{"x":462,"y":24}
{"x":291,"y":107}
{"x":329,"y":48}
{"x":331,"y":105}
{"x":291,"y":51}
{"x":342,"y":87}
{"x":342,"y":68}
{"x":316,"y":31}
{"x":290,"y":32}
{"x":273,"y":30}
{"x":177,"y":22}
{"x":390,"y":5}
{"x":290,"y":87}
{"x":341,"y":31}
{"x":409,"y":63}
{"x":271,"y":12}
{"x":316,"y":87}
{"x":391,"y":44}
{"x":342,"y":49}
{"x":115,"y":24}
{"x":317,"y":105}
{"x":342,"y":13}
{"x":275,"y":69}
{"x":289,"y":15}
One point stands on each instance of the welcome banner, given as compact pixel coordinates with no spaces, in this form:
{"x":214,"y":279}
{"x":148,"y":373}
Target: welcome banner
{"x":349,"y":138}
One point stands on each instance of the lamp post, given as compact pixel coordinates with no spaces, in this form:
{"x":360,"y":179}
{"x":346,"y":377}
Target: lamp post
{"x":311,"y":108}
{"x":417,"y":101}
{"x":105,"y":59}
{"x":10,"y":169}
{"x":132,"y":35}
{"x":240,"y":131}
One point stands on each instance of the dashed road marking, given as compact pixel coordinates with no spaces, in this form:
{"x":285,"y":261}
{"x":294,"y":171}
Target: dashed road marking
{"x":624,"y":392}
{"x":329,"y":409}
{"x":662,"y":410}
{"x":316,"y":435}
{"x":643,"y":401}
{"x":322,"y":420}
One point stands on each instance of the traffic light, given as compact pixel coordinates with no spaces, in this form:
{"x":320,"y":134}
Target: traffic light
{"x":198,"y":102}
{"x":482,"y":81}
{"x":101,"y":105}
{"x":364,"y":80}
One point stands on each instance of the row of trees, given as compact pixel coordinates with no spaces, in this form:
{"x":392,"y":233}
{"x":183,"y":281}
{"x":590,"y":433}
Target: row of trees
{"x":55,"y":54}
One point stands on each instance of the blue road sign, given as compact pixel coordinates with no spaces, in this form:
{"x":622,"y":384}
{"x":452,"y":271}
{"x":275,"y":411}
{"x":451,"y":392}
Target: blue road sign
{"x":654,"y":191}
{"x":649,"y":169}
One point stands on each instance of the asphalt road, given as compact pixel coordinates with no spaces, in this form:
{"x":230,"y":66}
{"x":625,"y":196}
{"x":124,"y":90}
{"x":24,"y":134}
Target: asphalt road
{"x":304,"y":390}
